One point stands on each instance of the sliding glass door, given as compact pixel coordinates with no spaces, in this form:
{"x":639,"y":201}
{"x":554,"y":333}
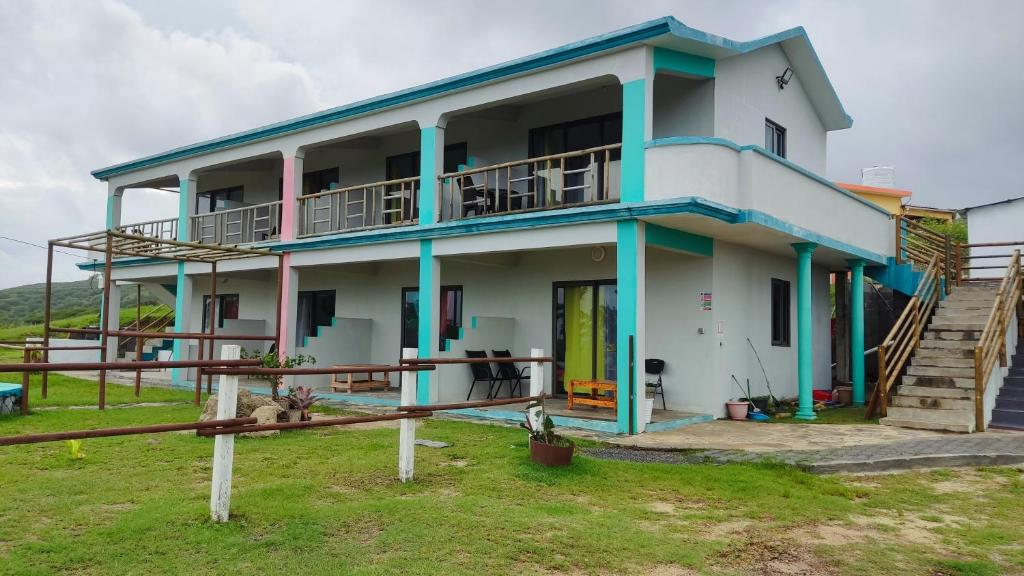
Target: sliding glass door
{"x":584,"y":331}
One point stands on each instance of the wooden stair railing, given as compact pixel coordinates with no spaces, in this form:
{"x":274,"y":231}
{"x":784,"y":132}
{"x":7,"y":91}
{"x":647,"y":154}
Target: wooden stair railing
{"x":155,"y":320}
{"x":992,"y":343}
{"x":975,"y":256}
{"x":917,"y":244}
{"x":895,"y":350}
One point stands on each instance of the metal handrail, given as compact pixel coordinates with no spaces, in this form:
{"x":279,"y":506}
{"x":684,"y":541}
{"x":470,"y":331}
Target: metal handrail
{"x":527,"y":185}
{"x":385,"y":203}
{"x":991,"y":345}
{"x":241,"y":225}
{"x":896,"y":348}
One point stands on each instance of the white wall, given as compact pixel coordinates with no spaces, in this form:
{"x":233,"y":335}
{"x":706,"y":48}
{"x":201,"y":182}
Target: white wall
{"x":1002,"y":222}
{"x":260,"y":186}
{"x":683,"y":106}
{"x":746,"y":93}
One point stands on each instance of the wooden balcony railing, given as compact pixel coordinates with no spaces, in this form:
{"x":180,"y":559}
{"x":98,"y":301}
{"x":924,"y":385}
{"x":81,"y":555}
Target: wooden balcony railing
{"x":590,"y":176}
{"x":991,"y":346}
{"x":166,"y":229}
{"x":918,"y":244}
{"x":388,"y":203}
{"x":238,"y":225}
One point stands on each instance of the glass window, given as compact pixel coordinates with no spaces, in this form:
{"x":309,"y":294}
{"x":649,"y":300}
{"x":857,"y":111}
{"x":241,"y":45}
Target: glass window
{"x":780,"y":312}
{"x":220,"y":199}
{"x":315,"y":309}
{"x":450,"y":317}
{"x":774,"y":138}
{"x":313,"y":182}
{"x":227,"y":308}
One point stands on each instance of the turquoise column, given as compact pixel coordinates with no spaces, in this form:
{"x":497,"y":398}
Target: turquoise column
{"x":804,"y":337}
{"x":857,"y":330}
{"x":428,"y":303}
{"x":428,"y":174}
{"x":180,"y":346}
{"x":627,"y":260}
{"x":634,"y":102}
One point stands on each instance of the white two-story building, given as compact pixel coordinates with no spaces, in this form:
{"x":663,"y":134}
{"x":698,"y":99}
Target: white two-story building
{"x":654,"y":192}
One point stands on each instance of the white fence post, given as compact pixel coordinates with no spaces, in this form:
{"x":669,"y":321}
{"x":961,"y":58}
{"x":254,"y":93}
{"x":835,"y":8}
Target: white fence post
{"x":407,"y":426}
{"x":224,"y":444}
{"x":536,"y":387}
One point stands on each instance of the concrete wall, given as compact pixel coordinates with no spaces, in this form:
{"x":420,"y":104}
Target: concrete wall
{"x":996,"y":223}
{"x":746,"y":93}
{"x":683,"y":106}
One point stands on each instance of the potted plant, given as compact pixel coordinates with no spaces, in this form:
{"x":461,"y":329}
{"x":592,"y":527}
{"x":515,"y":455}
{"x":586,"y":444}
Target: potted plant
{"x":649,"y":403}
{"x":300,"y":400}
{"x":737,"y":410}
{"x":273,"y":360}
{"x":546,"y":447}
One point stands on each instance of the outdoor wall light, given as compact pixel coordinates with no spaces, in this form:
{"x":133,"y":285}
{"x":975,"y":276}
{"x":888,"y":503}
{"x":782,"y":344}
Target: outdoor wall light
{"x":784,"y":79}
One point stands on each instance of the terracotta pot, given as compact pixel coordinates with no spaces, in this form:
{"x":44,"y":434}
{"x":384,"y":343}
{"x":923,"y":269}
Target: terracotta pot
{"x":737,"y":410}
{"x":550,"y":455}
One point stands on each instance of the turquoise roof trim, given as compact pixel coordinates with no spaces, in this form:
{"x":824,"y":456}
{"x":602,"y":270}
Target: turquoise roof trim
{"x":698,"y":43}
{"x":683,"y":63}
{"x":673,"y":239}
{"x":687,"y":140}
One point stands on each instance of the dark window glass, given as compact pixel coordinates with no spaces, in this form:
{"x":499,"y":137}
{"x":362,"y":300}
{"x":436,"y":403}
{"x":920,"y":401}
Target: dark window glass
{"x":455,"y":155}
{"x":450,"y":323}
{"x":315,"y":309}
{"x":313,"y":182}
{"x":780,"y":312}
{"x":774,"y":138}
{"x":220,"y":199}
{"x":227,"y":308}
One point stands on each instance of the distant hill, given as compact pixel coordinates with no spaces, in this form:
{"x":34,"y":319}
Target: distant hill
{"x":24,"y":304}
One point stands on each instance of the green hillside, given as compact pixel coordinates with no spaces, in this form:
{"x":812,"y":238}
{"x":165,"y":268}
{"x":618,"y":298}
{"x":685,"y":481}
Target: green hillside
{"x":24,"y":304}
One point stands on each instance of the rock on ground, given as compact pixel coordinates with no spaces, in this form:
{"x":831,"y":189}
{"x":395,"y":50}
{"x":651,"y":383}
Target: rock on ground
{"x":265,"y":415}
{"x":247,"y":404}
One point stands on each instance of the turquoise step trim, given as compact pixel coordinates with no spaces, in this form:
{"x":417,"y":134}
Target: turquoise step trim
{"x":902,"y":278}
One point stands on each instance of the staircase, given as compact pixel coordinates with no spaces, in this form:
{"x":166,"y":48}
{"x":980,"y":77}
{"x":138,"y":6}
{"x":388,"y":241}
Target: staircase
{"x":1009,"y":411}
{"x":937,"y":391}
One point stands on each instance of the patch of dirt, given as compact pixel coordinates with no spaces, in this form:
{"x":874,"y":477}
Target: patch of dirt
{"x":908,"y":529}
{"x":663,"y":507}
{"x":831,"y":534}
{"x":968,"y":481}
{"x":455,"y":463}
{"x":669,"y":570}
{"x":770,"y":555}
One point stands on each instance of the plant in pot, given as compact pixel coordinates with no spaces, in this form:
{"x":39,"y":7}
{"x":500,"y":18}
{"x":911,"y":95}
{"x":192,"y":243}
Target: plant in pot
{"x":273,"y":360}
{"x":300,"y":399}
{"x":546,"y":447}
{"x":649,"y":403}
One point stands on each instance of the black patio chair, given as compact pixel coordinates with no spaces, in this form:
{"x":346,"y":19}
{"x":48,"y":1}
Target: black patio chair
{"x":507,"y":371}
{"x":481,"y":373}
{"x":654,"y":367}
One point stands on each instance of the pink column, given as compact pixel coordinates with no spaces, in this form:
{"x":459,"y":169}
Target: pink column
{"x":291,"y":188}
{"x":289,"y":197}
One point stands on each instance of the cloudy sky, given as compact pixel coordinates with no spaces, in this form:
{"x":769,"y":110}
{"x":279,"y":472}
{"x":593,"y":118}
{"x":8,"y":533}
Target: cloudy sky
{"x":935,"y":88}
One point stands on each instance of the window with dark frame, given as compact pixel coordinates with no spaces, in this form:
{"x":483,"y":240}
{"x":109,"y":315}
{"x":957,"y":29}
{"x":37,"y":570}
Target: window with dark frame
{"x":450,"y":317}
{"x":227,"y":309}
{"x":780,"y":312}
{"x":774,"y":138}
{"x":220,"y":199}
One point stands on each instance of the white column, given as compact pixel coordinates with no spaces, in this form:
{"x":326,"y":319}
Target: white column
{"x":536,"y":387}
{"x":407,"y":427}
{"x":112,"y":310}
{"x":115,"y":195}
{"x":224,"y":444}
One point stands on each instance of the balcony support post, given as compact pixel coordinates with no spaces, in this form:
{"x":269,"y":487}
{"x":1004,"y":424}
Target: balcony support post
{"x":114,"y":197}
{"x":429,"y":319}
{"x":187,"y":187}
{"x":804,"y":334}
{"x":630,"y":328}
{"x":291,"y":189}
{"x":431,"y":166}
{"x":636,"y":130}
{"x":857,"y":330}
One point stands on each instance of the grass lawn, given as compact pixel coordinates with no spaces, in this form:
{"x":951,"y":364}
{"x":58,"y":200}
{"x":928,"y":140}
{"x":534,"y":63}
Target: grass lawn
{"x":843,"y":415}
{"x":80,"y":321}
{"x":326,"y":501}
{"x":67,"y":391}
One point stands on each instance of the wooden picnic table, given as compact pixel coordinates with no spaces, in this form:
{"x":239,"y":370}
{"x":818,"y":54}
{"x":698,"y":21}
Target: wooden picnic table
{"x":349,"y":382}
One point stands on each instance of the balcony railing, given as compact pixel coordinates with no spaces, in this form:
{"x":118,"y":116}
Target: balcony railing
{"x":238,"y":225}
{"x":590,"y":176}
{"x":163,"y":229}
{"x":389,"y":203}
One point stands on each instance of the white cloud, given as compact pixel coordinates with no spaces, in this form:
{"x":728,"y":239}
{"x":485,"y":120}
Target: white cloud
{"x":85,"y":85}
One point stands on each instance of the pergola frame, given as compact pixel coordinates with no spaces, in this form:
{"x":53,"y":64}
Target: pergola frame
{"x":114,"y":242}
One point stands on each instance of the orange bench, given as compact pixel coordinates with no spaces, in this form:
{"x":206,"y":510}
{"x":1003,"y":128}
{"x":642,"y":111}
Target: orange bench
{"x":596,"y":397}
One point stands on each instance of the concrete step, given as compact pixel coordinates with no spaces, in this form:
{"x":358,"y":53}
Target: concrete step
{"x":959,"y":325}
{"x":1011,"y":393}
{"x":927,"y":425}
{"x":956,"y":335}
{"x":933,"y":392}
{"x":931,"y":402}
{"x":942,"y":361}
{"x":963,"y":416}
{"x":1003,"y":417}
{"x":940,"y":371}
{"x":952,"y":303}
{"x":1006,"y":403}
{"x":936,"y":344}
{"x":938,"y":382}
{"x":958,"y":353}
{"x":971,"y":316}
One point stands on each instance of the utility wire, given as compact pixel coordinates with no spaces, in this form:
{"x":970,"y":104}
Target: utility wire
{"x":44,"y":247}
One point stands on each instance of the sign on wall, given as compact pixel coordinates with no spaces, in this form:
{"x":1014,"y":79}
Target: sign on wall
{"x":704,"y":301}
